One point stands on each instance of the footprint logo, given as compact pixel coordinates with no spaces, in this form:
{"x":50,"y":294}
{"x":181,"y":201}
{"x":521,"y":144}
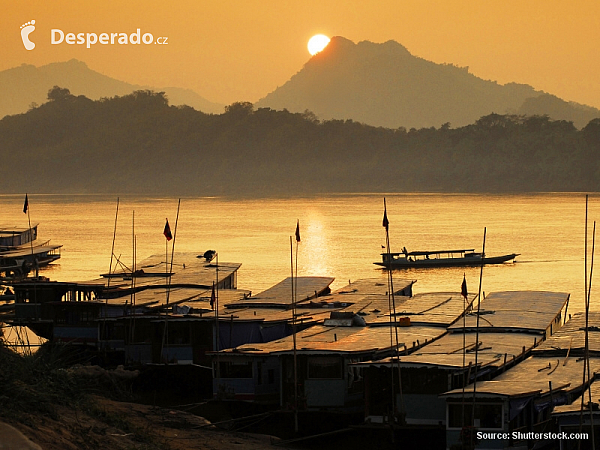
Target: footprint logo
{"x":26,"y":29}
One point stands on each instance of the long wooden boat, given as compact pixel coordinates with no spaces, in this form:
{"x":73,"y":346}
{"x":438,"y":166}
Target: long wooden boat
{"x":440,"y":258}
{"x":21,"y":251}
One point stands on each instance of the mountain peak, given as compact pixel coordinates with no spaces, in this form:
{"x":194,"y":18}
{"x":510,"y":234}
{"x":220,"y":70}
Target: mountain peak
{"x":383,"y":84}
{"x":340,"y":46}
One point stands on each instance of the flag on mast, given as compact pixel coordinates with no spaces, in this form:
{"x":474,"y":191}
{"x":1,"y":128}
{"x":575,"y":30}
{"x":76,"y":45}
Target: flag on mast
{"x":26,"y":205}
{"x":298,"y":231}
{"x":463,"y":288}
{"x":167,"y":231}
{"x":386,"y":223}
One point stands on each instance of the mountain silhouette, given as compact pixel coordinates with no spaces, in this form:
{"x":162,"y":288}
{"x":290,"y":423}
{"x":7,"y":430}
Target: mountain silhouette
{"x":385,"y":85}
{"x":22,"y":86}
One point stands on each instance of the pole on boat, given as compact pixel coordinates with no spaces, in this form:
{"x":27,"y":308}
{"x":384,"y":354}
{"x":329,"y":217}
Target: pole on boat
{"x":112,"y":251}
{"x":112,"y":254}
{"x":294,"y":285}
{"x":587,"y":342}
{"x":33,"y":259}
{"x":477,"y":334}
{"x":167,"y":260}
{"x":132,"y":297}
{"x":173,"y":251}
{"x":393,"y":325}
{"x":294,"y":324}
{"x":167,"y":233}
{"x":215,"y":292}
{"x":465,"y":294}
{"x":586,"y":361}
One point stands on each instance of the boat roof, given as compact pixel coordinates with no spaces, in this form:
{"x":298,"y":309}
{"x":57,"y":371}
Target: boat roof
{"x":431,"y":308}
{"x":368,"y":299}
{"x":196,"y":273}
{"x":280,"y":294}
{"x":557,"y":360}
{"x":448,"y":350}
{"x":434,"y":252}
{"x":321,"y":339}
{"x":12,"y":230}
{"x":532,"y":311}
{"x":532,"y":376}
{"x":575,"y":406}
{"x":360,"y":291}
{"x":23,"y":252}
{"x":191,"y":296}
{"x":571,"y":337}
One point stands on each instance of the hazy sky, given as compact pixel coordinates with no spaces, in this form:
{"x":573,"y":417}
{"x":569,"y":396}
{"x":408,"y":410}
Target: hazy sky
{"x":240,"y":50}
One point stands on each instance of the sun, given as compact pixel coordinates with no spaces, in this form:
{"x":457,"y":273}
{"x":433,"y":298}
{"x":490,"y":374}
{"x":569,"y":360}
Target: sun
{"x":317,"y":43}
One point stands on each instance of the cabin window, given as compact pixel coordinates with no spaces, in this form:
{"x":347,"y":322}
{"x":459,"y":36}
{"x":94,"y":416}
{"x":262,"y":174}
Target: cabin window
{"x":487,"y":415}
{"x":271,"y":376}
{"x":258,"y":373}
{"x":326,"y":367}
{"x":230,"y":369}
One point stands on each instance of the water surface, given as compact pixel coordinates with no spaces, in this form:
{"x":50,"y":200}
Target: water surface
{"x":342,"y":235}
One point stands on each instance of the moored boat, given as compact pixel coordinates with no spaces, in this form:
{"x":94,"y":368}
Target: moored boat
{"x":440,"y":258}
{"x":21,"y":251}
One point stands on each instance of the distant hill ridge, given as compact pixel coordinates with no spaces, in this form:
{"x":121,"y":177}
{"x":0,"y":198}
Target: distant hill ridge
{"x":139,"y":144}
{"x":21,"y":86}
{"x":384,"y":85}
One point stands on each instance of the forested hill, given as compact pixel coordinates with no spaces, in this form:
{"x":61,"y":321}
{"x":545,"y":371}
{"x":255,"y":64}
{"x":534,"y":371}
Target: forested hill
{"x":139,"y":144}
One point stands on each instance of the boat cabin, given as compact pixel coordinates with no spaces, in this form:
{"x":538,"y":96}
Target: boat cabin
{"x":11,"y":237}
{"x":521,"y":400}
{"x":511,"y":325}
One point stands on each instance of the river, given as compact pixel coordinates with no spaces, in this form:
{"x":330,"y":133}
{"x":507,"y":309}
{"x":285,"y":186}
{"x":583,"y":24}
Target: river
{"x":341,"y":235}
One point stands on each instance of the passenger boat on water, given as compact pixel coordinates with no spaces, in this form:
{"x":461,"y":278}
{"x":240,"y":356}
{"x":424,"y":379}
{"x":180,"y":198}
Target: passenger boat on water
{"x":21,"y":251}
{"x":440,"y":258}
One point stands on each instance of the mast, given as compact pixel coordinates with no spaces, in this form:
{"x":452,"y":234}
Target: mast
{"x":587,"y":342}
{"x":586,"y":359}
{"x":464,"y":294}
{"x":112,"y":254}
{"x":393,"y":325}
{"x":477,"y":332}
{"x":173,"y":251}
{"x":294,"y":283}
{"x":294,"y":337}
{"x":165,"y":339}
{"x":216,"y":294}
{"x":33,"y":259}
{"x":112,"y":251}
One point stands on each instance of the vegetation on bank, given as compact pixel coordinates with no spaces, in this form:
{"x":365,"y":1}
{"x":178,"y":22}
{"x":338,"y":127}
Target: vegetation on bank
{"x":62,"y":406}
{"x":39,"y":389}
{"x":139,"y":144}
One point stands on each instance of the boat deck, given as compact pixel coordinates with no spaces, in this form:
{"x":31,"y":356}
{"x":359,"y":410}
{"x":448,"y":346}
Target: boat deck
{"x":533,"y":311}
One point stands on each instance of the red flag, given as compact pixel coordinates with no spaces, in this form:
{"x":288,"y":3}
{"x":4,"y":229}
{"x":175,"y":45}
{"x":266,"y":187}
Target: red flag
{"x":213,"y":298}
{"x":26,"y":204}
{"x":463,"y":288}
{"x":167,"y":231}
{"x":298,"y":231}
{"x":386,"y":223}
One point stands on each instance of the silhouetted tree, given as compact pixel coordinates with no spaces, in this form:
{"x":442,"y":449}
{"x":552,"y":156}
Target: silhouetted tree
{"x":57,"y":93}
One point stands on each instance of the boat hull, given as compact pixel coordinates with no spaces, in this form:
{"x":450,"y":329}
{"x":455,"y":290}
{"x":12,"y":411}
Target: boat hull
{"x":402,"y":263}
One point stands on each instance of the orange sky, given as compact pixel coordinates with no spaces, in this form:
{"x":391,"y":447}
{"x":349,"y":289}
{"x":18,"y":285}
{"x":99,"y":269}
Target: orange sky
{"x":240,"y":50}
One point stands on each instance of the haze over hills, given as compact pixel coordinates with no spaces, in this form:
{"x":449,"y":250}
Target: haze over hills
{"x":21,"y":86}
{"x":375,"y":84}
{"x":384,"y":85}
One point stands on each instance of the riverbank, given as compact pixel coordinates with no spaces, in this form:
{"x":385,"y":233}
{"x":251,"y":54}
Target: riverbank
{"x":108,"y":424}
{"x":61,"y":406}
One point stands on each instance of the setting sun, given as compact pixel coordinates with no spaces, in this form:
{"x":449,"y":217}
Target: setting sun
{"x":317,"y":43}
